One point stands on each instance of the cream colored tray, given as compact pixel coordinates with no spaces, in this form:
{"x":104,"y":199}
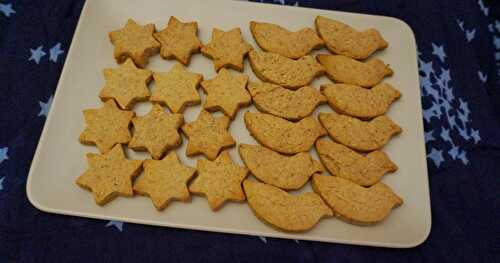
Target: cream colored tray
{"x":60,"y":159}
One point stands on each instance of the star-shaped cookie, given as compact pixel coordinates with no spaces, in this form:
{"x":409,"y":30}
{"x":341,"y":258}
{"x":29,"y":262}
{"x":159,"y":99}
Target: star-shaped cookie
{"x":219,"y":180}
{"x":109,"y":175}
{"x":126,"y":84}
{"x":227,"y":49}
{"x":134,"y":41}
{"x":176,"y":88}
{"x":164,"y":181}
{"x":207,"y":135}
{"x":156,"y":132}
{"x":226,"y":92}
{"x":106,"y":126}
{"x":179,"y":40}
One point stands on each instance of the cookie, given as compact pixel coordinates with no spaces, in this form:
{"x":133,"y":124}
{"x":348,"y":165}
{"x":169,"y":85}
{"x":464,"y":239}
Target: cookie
{"x":286,"y":172}
{"x":276,"y":39}
{"x":359,"y":102}
{"x":281,"y":135}
{"x":156,"y":132}
{"x":208,"y":135}
{"x":348,"y":164}
{"x":284,"y":211}
{"x":344,"y":40}
{"x":109,"y":175}
{"x":126,"y":85}
{"x":134,"y":41}
{"x":177,"y":88}
{"x":106,"y":126}
{"x":226,"y":92}
{"x":289,"y":73}
{"x":350,"y":71}
{"x":359,"y":135}
{"x":219,"y":180}
{"x":278,"y":101}
{"x":164,"y":181}
{"x":227,"y":49}
{"x":353,"y":203}
{"x":178,"y":40}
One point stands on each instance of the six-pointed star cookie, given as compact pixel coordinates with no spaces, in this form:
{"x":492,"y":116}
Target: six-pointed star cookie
{"x":134,"y":41}
{"x":164,"y":181}
{"x":207,"y":135}
{"x":176,"y":88}
{"x":226,"y":92}
{"x":106,"y":126}
{"x":227,"y":49}
{"x":126,"y":84}
{"x":156,"y":132}
{"x":179,"y":40}
{"x":109,"y":175}
{"x":219,"y":180}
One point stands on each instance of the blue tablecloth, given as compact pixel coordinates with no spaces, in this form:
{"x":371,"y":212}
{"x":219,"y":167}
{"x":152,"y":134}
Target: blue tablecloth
{"x":459,"y":57}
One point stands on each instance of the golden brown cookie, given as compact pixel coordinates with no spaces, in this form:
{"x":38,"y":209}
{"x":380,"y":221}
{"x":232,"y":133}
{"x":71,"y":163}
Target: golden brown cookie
{"x":284,"y":211}
{"x":164,"y":181}
{"x":359,"y":135}
{"x":276,"y":39}
{"x":134,"y":41}
{"x":126,"y":85}
{"x":353,"y":203}
{"x":156,"y":132}
{"x":177,"y":88}
{"x":350,"y":71}
{"x":286,"y":172}
{"x":359,"y":102}
{"x":348,"y":164}
{"x":106,"y":126}
{"x":281,"y":135}
{"x":278,"y":101}
{"x":226,"y":92}
{"x":109,"y":175}
{"x":208,"y":135}
{"x":227,"y":49}
{"x":219,"y":180}
{"x":344,"y":40}
{"x":178,"y":40}
{"x":289,"y":73}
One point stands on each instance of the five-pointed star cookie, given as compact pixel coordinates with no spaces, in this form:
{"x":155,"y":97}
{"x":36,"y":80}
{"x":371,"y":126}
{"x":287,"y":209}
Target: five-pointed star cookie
{"x":156,"y":132}
{"x":176,"y":88}
{"x":164,"y":181}
{"x":106,"y":126}
{"x":179,"y":40}
{"x":207,"y":135}
{"x":219,"y":180}
{"x":134,"y":41}
{"x":126,"y":84}
{"x":109,"y":175}
{"x":227,"y":49}
{"x":226,"y":92}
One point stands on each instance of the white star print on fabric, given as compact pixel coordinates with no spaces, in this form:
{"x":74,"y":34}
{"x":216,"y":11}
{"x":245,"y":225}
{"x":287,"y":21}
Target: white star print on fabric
{"x":55,"y":51}
{"x":483,"y":8}
{"x":429,"y":137}
{"x":117,"y":224}
{"x":263,"y":239}
{"x":37,"y":54}
{"x":296,"y":241}
{"x":438,"y":51}
{"x":436,"y":156}
{"x":1,"y":183}
{"x":45,"y":107}
{"x":3,"y":154}
{"x":279,"y":1}
{"x":483,"y":77}
{"x":6,"y":9}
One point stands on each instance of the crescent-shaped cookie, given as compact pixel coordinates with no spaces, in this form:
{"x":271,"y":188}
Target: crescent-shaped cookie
{"x":282,"y":210}
{"x":356,"y":204}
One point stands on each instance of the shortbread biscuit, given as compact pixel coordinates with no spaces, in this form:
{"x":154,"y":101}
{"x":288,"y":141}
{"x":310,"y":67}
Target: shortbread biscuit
{"x":289,"y":73}
{"x":353,"y":203}
{"x":276,"y":39}
{"x":278,"y":101}
{"x":350,"y":71}
{"x":359,"y":102}
{"x":284,"y":211}
{"x":281,"y":135}
{"x":227,"y":49}
{"x":359,"y":135}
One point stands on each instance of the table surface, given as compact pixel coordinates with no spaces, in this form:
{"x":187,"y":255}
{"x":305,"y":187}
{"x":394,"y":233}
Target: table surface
{"x":459,"y":60}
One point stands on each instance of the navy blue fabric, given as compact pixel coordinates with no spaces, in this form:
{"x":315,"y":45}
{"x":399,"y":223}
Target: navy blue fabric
{"x":459,"y":59}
